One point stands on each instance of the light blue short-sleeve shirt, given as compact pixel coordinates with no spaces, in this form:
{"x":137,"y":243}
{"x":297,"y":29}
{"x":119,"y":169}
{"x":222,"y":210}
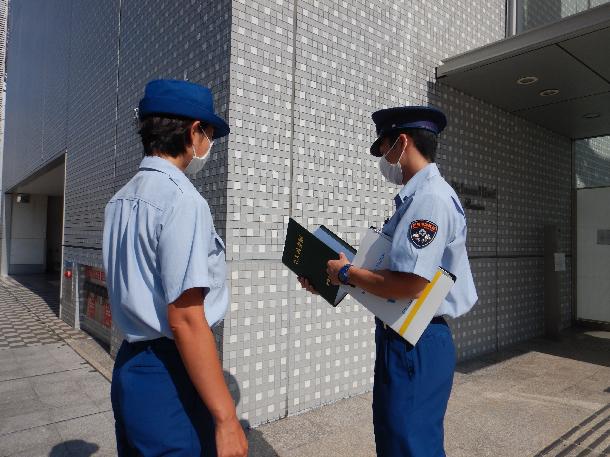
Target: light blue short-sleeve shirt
{"x":428,"y":230}
{"x":159,"y":241}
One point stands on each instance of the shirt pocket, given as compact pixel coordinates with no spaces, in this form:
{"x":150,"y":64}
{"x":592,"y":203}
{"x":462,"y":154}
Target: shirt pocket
{"x":389,"y":228}
{"x":217,"y":261}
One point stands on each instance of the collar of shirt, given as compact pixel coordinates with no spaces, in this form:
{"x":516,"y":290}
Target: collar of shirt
{"x":164,"y":166}
{"x":416,"y":182}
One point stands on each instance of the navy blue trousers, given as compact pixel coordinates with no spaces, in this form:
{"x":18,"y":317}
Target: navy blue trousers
{"x":157,"y":410}
{"x":411,"y":391}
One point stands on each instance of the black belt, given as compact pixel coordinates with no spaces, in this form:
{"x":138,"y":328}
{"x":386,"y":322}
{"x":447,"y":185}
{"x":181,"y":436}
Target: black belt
{"x":145,"y":344}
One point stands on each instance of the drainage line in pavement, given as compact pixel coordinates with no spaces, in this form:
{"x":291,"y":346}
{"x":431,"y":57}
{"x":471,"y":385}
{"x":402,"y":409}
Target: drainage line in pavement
{"x":57,"y":422}
{"x":44,"y":374}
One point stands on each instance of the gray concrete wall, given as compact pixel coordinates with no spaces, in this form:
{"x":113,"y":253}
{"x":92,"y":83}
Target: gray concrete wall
{"x":28,"y":235}
{"x":3,"y":32}
{"x":37,"y":79}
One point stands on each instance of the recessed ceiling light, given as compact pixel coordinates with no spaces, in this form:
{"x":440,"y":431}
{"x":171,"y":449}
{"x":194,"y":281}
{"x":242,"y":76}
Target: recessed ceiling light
{"x":591,"y":115}
{"x":549,"y":92}
{"x":527,"y":80}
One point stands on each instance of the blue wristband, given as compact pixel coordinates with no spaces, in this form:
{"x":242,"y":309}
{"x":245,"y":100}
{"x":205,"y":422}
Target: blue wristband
{"x":344,"y":274}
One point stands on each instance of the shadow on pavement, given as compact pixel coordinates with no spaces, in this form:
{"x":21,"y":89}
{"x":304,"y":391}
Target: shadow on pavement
{"x":46,"y":286}
{"x":573,"y":439}
{"x":257,"y":444}
{"x":575,"y":343}
{"x":71,"y":448}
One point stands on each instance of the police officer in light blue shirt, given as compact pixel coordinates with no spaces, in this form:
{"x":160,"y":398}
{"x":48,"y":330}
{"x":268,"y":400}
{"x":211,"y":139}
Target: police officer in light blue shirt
{"x":166,"y":277}
{"x":428,"y":211}
{"x":428,"y":230}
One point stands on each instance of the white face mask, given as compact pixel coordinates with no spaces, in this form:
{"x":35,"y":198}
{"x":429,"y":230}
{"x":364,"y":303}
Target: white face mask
{"x":197,"y":163}
{"x":391,"y":171}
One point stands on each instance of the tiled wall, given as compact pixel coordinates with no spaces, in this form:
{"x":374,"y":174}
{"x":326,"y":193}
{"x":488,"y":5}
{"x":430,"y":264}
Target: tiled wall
{"x":305,"y":77}
{"x":162,"y":39}
{"x":298,"y":81}
{"x":3,"y":33}
{"x":592,"y":162}
{"x":537,"y":13}
{"x":88,"y":89}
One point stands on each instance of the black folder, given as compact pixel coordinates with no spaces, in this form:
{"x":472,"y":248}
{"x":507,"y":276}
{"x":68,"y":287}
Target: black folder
{"x":307,"y":255}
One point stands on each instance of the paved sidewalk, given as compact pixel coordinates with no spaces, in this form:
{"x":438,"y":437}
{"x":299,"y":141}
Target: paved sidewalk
{"x":539,"y":398}
{"x":29,"y":309}
{"x":52,"y":401}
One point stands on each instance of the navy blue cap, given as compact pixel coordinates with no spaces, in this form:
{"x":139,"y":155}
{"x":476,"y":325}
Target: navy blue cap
{"x":184,"y":99}
{"x":406,"y":117}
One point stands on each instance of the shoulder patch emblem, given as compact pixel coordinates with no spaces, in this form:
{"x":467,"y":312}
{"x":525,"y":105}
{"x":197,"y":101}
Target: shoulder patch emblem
{"x":422,"y":233}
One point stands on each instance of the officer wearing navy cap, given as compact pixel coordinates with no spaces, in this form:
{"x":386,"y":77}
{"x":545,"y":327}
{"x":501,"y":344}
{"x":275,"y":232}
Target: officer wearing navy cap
{"x":428,"y":229}
{"x":166,"y":277}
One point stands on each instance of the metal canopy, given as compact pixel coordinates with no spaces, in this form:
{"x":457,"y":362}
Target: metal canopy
{"x":571,"y":56}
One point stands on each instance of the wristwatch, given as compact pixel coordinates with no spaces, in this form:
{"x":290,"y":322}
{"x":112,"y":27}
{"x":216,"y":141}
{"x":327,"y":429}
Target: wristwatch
{"x":344,"y":274}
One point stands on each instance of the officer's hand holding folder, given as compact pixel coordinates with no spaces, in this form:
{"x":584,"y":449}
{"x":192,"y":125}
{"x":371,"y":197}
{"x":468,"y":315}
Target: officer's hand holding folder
{"x":307,"y":254}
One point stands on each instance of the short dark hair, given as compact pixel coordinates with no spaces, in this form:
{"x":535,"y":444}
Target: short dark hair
{"x":166,"y":134}
{"x":425,"y":141}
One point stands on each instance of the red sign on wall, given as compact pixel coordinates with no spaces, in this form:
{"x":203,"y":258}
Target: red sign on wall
{"x":107,"y":322}
{"x":95,"y":275}
{"x":91,"y":299}
{"x":97,"y":304}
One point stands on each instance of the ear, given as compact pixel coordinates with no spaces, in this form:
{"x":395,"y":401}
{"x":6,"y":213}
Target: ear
{"x":193,"y":131}
{"x":194,"y":128}
{"x":404,"y":140}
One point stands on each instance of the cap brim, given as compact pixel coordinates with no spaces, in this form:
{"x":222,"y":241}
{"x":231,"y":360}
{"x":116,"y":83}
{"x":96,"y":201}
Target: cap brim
{"x":375,"y":147}
{"x":221,"y":128}
{"x":166,"y":105}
